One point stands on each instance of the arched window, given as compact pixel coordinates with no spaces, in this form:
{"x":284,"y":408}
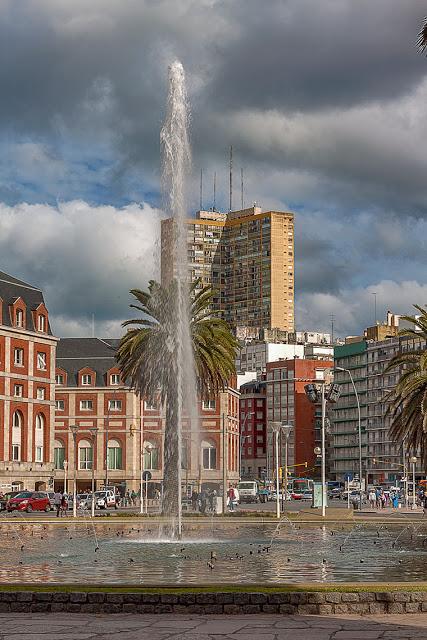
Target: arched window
{"x":208,"y":454}
{"x":17,"y":421}
{"x":58,"y":454}
{"x":41,"y":323}
{"x":85,"y":454}
{"x":151,"y":455}
{"x":39,"y":439}
{"x":114,"y":455}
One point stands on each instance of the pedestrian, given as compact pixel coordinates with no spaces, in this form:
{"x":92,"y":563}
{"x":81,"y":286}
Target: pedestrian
{"x":194,"y":500}
{"x":57,"y":498}
{"x":395,"y":500}
{"x":133,"y":497}
{"x":203,"y":502}
{"x":212,"y":497}
{"x":383,"y":500}
{"x":63,"y":505}
{"x":372,"y":499}
{"x":378,"y":497}
{"x":231,"y":496}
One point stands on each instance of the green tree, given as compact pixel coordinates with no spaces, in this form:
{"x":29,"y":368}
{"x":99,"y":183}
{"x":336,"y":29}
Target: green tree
{"x":148,"y":357}
{"x":422,"y":37}
{"x":408,"y":399}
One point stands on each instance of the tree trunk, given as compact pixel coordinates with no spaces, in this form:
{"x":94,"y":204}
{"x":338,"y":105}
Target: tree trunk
{"x":170,"y":505}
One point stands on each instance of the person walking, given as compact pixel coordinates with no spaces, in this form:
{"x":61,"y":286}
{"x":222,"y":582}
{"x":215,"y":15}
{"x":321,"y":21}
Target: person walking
{"x":194,"y":500}
{"x":231,"y":496}
{"x":57,"y":498}
{"x":63,"y":505}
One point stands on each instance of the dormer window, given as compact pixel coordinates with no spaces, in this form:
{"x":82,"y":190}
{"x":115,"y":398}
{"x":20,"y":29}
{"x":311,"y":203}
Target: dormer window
{"x":41,"y":324}
{"x":59,"y":378}
{"x":86,"y":379}
{"x":19,"y":318}
{"x":114,"y":379}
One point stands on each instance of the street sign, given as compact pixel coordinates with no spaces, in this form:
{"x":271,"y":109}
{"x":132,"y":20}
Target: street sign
{"x":146,"y":475}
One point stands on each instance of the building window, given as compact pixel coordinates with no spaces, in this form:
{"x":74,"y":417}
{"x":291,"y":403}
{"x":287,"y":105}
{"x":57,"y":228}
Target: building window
{"x":114,"y":405}
{"x":40,"y":421}
{"x":16,"y":452}
{"x":150,"y":406}
{"x":86,"y":379}
{"x":208,"y":405}
{"x":18,"y":357}
{"x":41,"y":323}
{"x":41,"y":393}
{"x":151,"y":456}
{"x":86,"y":405}
{"x":58,"y":454}
{"x":59,"y":405}
{"x":19,"y":318}
{"x":208,"y":455}
{"x":17,"y":422}
{"x":39,"y":454}
{"x":18,"y":391}
{"x":85,"y":455}
{"x":41,"y":361}
{"x":114,"y":455}
{"x":59,"y":378}
{"x":114,"y":379}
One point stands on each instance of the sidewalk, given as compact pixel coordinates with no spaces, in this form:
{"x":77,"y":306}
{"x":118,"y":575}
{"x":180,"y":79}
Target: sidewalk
{"x":183,"y":627}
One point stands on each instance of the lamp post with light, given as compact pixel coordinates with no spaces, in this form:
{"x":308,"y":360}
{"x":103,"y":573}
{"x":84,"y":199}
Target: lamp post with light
{"x":93,"y":432}
{"x":74,"y":429}
{"x":147,"y":449}
{"x":413,"y":461}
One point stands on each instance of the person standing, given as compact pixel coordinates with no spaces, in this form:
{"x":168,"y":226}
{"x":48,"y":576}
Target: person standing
{"x":194,"y":500}
{"x":63,"y":505}
{"x":57,"y":499}
{"x":231,"y":496}
{"x":372,"y":499}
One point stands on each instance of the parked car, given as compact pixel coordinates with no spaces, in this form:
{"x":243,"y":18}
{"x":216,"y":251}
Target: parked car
{"x":334,"y":493}
{"x":105,"y":500}
{"x":7,"y":496}
{"x":29,"y":501}
{"x":296,"y":495}
{"x":307,"y":495}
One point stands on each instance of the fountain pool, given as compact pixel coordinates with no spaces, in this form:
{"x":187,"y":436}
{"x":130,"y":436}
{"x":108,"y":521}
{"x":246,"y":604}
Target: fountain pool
{"x":218,"y":553}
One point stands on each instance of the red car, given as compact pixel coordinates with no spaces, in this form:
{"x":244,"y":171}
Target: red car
{"x":29,"y":501}
{"x":296,"y":495}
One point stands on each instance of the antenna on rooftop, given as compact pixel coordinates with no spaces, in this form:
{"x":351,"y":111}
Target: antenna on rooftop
{"x":332,"y":328}
{"x":241,"y":176}
{"x":214,"y":192}
{"x":201,"y":189}
{"x":231,"y":179}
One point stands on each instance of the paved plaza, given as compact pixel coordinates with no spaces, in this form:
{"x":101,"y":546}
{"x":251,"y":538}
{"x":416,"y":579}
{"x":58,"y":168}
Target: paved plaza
{"x":68,"y":626}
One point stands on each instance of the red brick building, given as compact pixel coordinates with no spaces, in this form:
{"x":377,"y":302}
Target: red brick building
{"x":27,"y":387}
{"x":253,"y":429}
{"x":288,"y":403}
{"x":91,"y":395}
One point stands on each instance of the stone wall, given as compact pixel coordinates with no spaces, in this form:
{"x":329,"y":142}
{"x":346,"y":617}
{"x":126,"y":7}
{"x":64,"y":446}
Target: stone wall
{"x":302,"y":603}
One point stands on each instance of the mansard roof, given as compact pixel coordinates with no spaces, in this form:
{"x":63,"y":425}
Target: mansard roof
{"x":10,"y":290}
{"x":97,"y":354}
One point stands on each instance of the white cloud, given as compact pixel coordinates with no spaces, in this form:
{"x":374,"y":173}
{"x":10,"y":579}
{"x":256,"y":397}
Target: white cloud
{"x":85,"y":258}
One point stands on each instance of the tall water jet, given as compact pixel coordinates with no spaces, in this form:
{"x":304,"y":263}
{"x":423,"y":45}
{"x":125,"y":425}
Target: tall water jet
{"x":176,"y":165}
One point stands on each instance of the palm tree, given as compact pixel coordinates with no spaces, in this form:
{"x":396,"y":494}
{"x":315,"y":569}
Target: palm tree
{"x":422,"y":37}
{"x":148,"y":357}
{"x":408,"y":400}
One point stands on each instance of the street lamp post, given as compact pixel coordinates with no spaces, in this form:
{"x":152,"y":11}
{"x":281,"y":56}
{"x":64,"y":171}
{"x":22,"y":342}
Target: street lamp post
{"x":74,"y":429}
{"x":276,"y":428}
{"x":286,"y":430}
{"x":65,"y":476}
{"x":93,"y":432}
{"x":243,"y":438}
{"x":413,"y":461}
{"x":359,"y":431}
{"x":144,"y":450}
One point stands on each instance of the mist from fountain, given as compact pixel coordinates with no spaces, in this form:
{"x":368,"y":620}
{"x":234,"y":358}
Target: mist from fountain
{"x":176,"y":165}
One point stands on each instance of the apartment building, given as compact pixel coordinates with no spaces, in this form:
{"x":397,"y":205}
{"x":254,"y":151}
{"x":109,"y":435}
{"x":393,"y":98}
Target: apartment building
{"x":27,"y":387}
{"x":248,"y":257}
{"x":287,"y":403}
{"x":253,"y":429}
{"x":344,"y":452}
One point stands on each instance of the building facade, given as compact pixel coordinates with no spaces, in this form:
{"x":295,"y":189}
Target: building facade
{"x":287,"y":403}
{"x":120,"y":435}
{"x":27,"y":387}
{"x":254,"y":356}
{"x":344,"y":451}
{"x":248,"y":258}
{"x":253,"y":429}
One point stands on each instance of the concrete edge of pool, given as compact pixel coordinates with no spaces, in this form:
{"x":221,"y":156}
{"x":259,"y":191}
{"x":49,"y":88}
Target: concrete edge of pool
{"x":309,"y":599}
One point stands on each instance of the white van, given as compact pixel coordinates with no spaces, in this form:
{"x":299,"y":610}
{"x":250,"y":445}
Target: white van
{"x":248,"y":491}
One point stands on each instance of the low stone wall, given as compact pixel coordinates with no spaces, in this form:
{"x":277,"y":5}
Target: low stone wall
{"x":298,"y":603}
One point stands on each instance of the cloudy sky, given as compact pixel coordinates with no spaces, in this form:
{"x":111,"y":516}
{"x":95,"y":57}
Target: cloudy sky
{"x":325,"y":105}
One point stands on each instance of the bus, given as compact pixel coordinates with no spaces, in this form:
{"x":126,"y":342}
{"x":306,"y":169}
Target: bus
{"x":299,"y":485}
